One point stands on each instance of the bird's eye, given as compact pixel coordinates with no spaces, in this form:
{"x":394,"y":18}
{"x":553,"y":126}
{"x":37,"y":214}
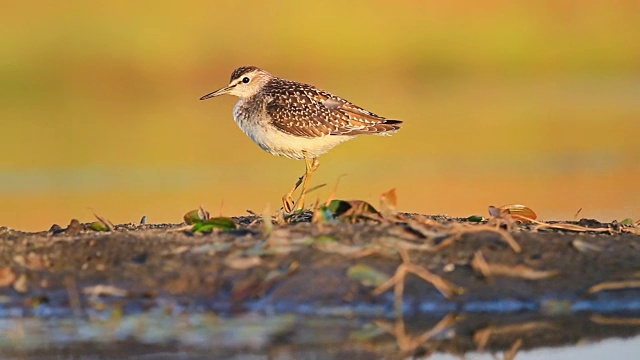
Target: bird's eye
{"x":245,"y":80}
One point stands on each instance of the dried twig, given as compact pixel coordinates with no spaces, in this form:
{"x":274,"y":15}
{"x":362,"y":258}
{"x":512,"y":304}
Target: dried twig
{"x":513,"y":351}
{"x":482,"y":336}
{"x":408,"y":344}
{"x":569,"y":227}
{"x":104,"y":290}
{"x":334,"y":191}
{"x":446,"y":288}
{"x":520,"y":271}
{"x":471,"y":229}
{"x":614,"y":285}
{"x":609,"y":320}
{"x":575,"y":216}
{"x":632,"y":230}
{"x":479,"y":263}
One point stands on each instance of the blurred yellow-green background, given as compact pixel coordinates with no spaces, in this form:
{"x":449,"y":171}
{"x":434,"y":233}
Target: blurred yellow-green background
{"x":532,"y":102}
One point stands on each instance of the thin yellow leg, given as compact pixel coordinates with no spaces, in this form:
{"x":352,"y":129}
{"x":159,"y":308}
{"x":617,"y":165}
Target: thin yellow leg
{"x":311,"y":166}
{"x":289,"y":206}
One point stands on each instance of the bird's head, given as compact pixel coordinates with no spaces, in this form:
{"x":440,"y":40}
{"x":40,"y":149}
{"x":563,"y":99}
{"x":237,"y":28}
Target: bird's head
{"x":245,"y":82}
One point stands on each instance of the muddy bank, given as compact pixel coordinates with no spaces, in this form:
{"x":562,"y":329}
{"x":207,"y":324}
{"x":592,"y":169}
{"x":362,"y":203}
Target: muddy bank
{"x":328,"y":268}
{"x":479,"y":278}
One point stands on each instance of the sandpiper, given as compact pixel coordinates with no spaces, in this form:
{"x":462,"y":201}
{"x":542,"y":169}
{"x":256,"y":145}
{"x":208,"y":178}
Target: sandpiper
{"x":296,"y":120}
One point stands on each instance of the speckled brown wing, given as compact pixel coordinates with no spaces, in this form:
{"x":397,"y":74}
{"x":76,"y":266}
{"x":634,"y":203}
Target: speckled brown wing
{"x":303,"y":110}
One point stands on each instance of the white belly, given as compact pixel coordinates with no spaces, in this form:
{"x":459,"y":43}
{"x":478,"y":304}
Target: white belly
{"x":279,"y":143}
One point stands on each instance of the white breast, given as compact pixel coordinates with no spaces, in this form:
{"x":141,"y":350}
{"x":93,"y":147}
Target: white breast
{"x":276,"y":142}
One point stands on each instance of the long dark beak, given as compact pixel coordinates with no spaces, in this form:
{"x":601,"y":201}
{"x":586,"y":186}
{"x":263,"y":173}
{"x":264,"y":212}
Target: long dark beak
{"x":222,"y":91}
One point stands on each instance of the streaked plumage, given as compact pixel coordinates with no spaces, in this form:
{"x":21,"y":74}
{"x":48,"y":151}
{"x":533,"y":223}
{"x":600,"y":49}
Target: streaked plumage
{"x":296,"y":120}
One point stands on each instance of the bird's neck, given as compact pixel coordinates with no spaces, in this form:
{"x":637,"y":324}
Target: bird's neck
{"x":249,"y":107}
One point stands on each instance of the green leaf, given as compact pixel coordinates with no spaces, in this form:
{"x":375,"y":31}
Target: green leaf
{"x":350,"y":208}
{"x":323,"y":239}
{"x":338,"y":207}
{"x":98,"y":226}
{"x":196,"y":216}
{"x":222,"y":223}
{"x":475,"y":218}
{"x":627,"y":221}
{"x":367,"y":275}
{"x":202,"y":227}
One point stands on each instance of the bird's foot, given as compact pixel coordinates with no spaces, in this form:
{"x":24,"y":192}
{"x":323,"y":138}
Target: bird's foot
{"x":288,"y":204}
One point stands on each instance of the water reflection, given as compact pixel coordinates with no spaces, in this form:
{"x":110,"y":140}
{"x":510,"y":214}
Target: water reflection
{"x":449,"y":336}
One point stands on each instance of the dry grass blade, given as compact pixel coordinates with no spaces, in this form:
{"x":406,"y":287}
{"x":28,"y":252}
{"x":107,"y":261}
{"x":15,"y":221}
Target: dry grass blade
{"x":408,"y":344}
{"x":389,"y":203}
{"x":609,"y":320}
{"x":360,"y":209}
{"x":424,"y":228}
{"x":108,"y":224}
{"x":614,"y":285}
{"x":575,"y":216}
{"x":479,"y":263}
{"x":447,"y":289}
{"x":426,"y":220}
{"x":204,"y":214}
{"x":447,"y":242}
{"x":482,"y":336}
{"x":461,"y":230}
{"x":457,"y":231}
{"x":335,"y":247}
{"x":519,"y":271}
{"x":104,"y":290}
{"x":521,"y":218}
{"x":632,"y":230}
{"x":393,"y":242}
{"x":504,"y":235}
{"x":314,"y":188}
{"x":570,"y":227}
{"x":332,"y":196}
{"x":243,"y":263}
{"x":513,"y":351}
{"x":443,"y":324}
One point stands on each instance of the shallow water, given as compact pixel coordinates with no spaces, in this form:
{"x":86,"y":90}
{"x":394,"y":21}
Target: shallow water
{"x":161,"y":334}
{"x":610,"y":348}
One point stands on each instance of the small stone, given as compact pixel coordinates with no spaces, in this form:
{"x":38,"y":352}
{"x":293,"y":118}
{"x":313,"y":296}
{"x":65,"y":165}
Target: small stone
{"x":74,"y":227}
{"x":55,"y":229}
{"x":449,"y":267}
{"x":21,"y":284}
